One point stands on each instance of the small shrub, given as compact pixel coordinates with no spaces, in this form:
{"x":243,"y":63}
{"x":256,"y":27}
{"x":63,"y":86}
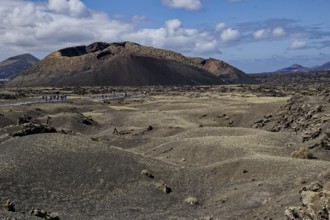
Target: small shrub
{"x":191,"y":200}
{"x":302,"y":153}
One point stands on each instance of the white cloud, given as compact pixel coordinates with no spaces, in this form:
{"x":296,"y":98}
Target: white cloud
{"x":44,"y":27}
{"x":278,"y":32}
{"x":174,"y":36}
{"x":191,"y":5}
{"x":72,"y":7}
{"x":269,"y":33}
{"x":220,"y":26}
{"x":297,"y":44}
{"x":40,"y":27}
{"x":261,"y":34}
{"x":230,"y":34}
{"x":206,"y":47}
{"x":138,"y":19}
{"x":173,"y":25}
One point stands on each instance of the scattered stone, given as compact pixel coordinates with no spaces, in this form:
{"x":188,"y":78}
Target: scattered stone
{"x":88,"y":121}
{"x":295,"y":213}
{"x":147,"y":173}
{"x":24,"y":119}
{"x":311,"y":135}
{"x":245,"y":171}
{"x":66,"y":131}
{"x":124,"y":132}
{"x":163,"y":187}
{"x":8,"y":205}
{"x":323,"y":143}
{"x":231,"y":124}
{"x":223,"y":200}
{"x":97,"y":139}
{"x":48,"y":119}
{"x":268,"y":116}
{"x":149,"y":128}
{"x":44,"y":214}
{"x":222,"y":116}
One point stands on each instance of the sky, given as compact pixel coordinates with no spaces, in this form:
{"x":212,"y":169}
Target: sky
{"x":253,"y":35}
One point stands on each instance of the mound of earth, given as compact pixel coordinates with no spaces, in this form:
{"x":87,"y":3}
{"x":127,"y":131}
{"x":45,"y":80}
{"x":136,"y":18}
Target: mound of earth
{"x":15,"y":65}
{"x":126,"y":64}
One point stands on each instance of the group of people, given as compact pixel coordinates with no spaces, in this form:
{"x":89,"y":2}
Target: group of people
{"x":54,"y":97}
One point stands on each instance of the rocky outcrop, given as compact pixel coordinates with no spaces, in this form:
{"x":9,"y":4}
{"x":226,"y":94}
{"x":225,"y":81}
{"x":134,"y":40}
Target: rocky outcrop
{"x":83,"y":50}
{"x":315,"y":199}
{"x":307,"y":116}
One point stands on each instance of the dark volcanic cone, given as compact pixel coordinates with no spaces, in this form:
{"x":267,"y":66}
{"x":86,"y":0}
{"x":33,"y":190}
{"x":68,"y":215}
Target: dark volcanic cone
{"x":116,"y":64}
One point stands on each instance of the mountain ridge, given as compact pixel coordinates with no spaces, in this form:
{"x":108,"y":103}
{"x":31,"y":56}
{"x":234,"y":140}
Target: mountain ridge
{"x":299,"y":68}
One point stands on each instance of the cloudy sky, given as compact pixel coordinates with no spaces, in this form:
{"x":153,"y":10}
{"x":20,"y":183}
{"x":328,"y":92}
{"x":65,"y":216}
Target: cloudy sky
{"x":253,"y":35}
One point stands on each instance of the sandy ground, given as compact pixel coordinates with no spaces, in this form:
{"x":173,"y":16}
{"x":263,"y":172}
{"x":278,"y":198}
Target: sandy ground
{"x":198,"y":144}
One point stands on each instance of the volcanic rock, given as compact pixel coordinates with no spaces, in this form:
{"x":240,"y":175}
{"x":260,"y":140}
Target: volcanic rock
{"x":34,"y":128}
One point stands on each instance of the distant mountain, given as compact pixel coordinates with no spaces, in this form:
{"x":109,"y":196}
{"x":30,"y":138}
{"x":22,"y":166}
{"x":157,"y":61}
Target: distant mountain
{"x":123,"y":64}
{"x":296,"y":68}
{"x":324,"y":67}
{"x":13,"y":66}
